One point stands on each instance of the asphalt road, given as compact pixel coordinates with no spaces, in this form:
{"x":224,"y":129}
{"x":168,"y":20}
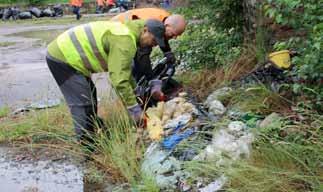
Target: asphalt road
{"x":24,"y":74}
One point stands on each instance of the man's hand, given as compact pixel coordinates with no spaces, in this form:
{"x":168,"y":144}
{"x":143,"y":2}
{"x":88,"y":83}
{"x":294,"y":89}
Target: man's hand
{"x":156,"y":90}
{"x":170,"y":57}
{"x":138,"y":115}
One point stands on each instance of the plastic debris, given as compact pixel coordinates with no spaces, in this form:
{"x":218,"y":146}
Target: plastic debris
{"x":7,"y":13}
{"x":182,"y":94}
{"x":233,"y":146}
{"x":270,"y":119}
{"x":184,"y":187}
{"x":45,"y":104}
{"x":25,"y":15}
{"x":216,"y":108}
{"x":218,"y":94}
{"x":180,"y":120}
{"x":58,"y":10}
{"x":163,"y":168}
{"x":154,"y":127}
{"x":153,"y":160}
{"x":47,"y":12}
{"x":236,"y":126}
{"x":114,"y":10}
{"x":35,"y":12}
{"x":172,"y":122}
{"x":168,"y":116}
{"x":170,"y":142}
{"x":38,"y":105}
{"x":215,"y":185}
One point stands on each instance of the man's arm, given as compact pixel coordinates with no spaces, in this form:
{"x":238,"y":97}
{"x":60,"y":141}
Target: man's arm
{"x":168,"y":53}
{"x":121,"y":53}
{"x":142,"y":63}
{"x":166,"y":48}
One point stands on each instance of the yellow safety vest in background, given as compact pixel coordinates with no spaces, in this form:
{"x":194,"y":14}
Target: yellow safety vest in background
{"x":82,"y":45}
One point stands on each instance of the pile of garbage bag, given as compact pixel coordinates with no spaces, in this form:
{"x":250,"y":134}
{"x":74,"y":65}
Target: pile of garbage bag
{"x":177,"y":125}
{"x":15,"y":13}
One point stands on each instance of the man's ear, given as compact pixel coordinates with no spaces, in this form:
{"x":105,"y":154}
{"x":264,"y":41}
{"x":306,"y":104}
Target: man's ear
{"x":145,"y":29}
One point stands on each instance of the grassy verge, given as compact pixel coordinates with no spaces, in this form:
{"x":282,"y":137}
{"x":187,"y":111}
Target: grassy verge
{"x":6,"y":44}
{"x":28,"y":2}
{"x":286,"y":155}
{"x":53,"y":21}
{"x":117,"y":150}
{"x":45,"y":36}
{"x":38,"y":126}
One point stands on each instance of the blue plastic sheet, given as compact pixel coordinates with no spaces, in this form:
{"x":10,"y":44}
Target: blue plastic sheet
{"x":170,"y":142}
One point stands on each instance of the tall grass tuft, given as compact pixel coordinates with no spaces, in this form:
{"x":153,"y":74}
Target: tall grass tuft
{"x":117,"y":146}
{"x":202,"y":82}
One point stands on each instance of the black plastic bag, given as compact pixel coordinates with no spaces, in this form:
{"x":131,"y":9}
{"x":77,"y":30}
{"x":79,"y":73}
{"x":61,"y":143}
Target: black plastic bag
{"x":7,"y":13}
{"x":25,"y":15}
{"x":1,"y":13}
{"x":58,"y":10}
{"x":47,"y":13}
{"x":35,"y":12}
{"x":15,"y":13}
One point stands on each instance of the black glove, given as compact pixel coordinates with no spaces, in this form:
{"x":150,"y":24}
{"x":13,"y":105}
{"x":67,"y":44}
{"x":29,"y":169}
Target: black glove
{"x":170,"y":57}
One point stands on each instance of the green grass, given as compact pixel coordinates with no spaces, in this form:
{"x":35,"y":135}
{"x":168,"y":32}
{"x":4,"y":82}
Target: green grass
{"x":37,"y":126}
{"x":4,"y":111}
{"x":6,"y":44}
{"x":286,"y":156}
{"x":258,"y":99}
{"x":45,"y":36}
{"x":27,"y":2}
{"x":53,"y":21}
{"x":118,"y":155}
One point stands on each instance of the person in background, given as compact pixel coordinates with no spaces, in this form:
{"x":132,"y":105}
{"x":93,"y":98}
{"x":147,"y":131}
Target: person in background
{"x":76,"y":5}
{"x":99,"y":6}
{"x":122,"y":4}
{"x":110,"y":4}
{"x":166,"y":4}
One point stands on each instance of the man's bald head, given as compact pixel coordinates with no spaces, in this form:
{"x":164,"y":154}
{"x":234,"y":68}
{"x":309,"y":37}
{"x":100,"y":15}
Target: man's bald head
{"x":175,"y":26}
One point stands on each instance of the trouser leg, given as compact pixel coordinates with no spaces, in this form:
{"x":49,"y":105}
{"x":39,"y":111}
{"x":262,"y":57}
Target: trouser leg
{"x":80,"y":94}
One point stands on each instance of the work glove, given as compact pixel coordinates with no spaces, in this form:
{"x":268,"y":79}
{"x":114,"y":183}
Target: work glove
{"x":138,"y":115}
{"x":170,"y":57}
{"x":156,"y":90}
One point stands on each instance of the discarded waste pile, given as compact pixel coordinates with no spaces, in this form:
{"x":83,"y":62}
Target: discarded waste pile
{"x":15,"y":13}
{"x":182,"y":134}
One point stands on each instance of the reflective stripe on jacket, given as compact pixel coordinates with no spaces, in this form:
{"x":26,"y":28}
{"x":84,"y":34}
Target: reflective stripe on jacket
{"x":82,"y":45}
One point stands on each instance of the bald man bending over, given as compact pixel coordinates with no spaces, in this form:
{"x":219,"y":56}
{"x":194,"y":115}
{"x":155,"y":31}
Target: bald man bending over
{"x":174,"y":27}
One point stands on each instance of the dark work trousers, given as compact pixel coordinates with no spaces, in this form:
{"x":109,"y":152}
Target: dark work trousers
{"x":77,"y":12}
{"x":80,"y":94}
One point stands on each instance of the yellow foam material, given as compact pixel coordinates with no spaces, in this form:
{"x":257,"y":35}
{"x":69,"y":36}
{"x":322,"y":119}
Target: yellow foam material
{"x":281,"y":59}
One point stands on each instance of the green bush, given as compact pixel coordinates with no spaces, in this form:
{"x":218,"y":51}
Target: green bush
{"x":214,"y":36}
{"x":303,"y":15}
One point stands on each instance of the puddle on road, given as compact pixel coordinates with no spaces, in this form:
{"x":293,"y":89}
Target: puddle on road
{"x":39,"y":176}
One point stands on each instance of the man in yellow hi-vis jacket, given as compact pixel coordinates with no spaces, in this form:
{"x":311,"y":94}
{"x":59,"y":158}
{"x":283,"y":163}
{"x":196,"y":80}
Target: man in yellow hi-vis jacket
{"x":101,"y":46}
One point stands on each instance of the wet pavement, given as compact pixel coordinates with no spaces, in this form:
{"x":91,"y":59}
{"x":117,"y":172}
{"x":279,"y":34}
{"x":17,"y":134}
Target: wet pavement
{"x":25,"y":79}
{"x":20,"y":174}
{"x":24,"y":74}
